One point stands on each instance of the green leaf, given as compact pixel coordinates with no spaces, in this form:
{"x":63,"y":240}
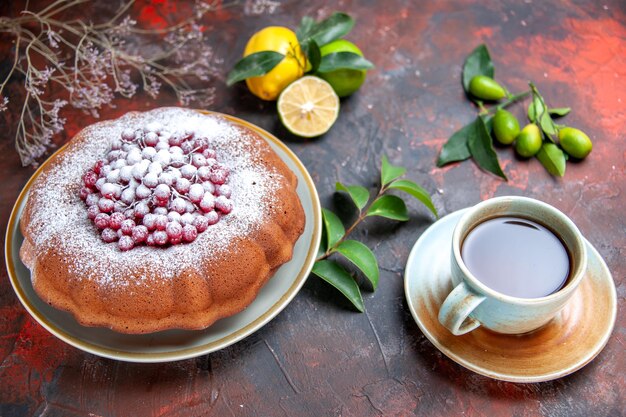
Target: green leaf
{"x":390,"y":172}
{"x":456,"y":148}
{"x":416,"y":191}
{"x":552,"y":158}
{"x":312,"y":51}
{"x":477,"y":63}
{"x":358,"y":194}
{"x":389,"y":206}
{"x":330,"y":29}
{"x":336,"y":276}
{"x":481,"y":148}
{"x":306,"y":24}
{"x":344,"y":60}
{"x":334,"y":228}
{"x":538,"y":113}
{"x":254,"y":65}
{"x":362,"y":257}
{"x":560,"y":111}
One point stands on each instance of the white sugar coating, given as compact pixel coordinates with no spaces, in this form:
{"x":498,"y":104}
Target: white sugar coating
{"x":59,"y":217}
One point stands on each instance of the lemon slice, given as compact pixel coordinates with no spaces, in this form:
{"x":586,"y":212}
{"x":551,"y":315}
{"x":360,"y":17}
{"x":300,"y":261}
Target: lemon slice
{"x":308,"y":107}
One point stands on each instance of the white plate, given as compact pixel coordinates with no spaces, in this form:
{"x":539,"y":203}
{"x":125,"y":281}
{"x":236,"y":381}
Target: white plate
{"x":174,"y":345}
{"x":572,"y":339}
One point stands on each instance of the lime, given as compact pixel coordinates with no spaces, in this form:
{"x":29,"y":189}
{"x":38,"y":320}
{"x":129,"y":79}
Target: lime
{"x":575,"y":142}
{"x":278,"y":39}
{"x":308,"y":107}
{"x":486,"y":88}
{"x":505,"y":127}
{"x":344,"y":81}
{"x":528,"y":142}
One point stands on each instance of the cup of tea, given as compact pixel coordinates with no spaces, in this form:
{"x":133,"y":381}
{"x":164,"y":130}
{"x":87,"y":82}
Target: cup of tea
{"x":516,"y":261}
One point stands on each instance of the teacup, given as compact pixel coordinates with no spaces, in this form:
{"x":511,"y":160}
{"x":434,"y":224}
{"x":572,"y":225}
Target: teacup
{"x":473,"y":303}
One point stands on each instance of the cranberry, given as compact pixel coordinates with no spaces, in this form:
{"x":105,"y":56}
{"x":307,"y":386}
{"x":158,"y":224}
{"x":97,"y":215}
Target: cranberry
{"x":90,"y":178}
{"x":182,"y":185}
{"x":196,"y":192}
{"x":84,"y":193}
{"x":139,"y":234}
{"x":212,"y":217}
{"x":174,"y":216}
{"x":190,"y":233}
{"x":160,"y":237}
{"x":97,"y":167}
{"x":201,"y":223}
{"x":224,"y":190}
{"x":141,"y":210}
{"x":149,"y":220}
{"x":198,"y":160}
{"x":92,"y":199}
{"x":179,"y":205}
{"x":142,"y":192}
{"x":126,"y":243}
{"x":162,"y":191}
{"x":207,"y":203}
{"x":223,"y":204}
{"x":218,"y":176}
{"x":160,"y":222}
{"x":115,"y":221}
{"x":127,"y":226}
{"x":187,"y":218}
{"x":174,"y":230}
{"x":128,"y":196}
{"x":101,"y":221}
{"x":109,"y":235}
{"x":92,"y":212}
{"x":128,"y":134}
{"x":204,"y":173}
{"x":106,"y":205}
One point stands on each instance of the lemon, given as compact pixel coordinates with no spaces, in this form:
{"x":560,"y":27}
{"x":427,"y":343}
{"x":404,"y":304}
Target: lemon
{"x":308,"y":107}
{"x":278,"y":39}
{"x":344,"y":81}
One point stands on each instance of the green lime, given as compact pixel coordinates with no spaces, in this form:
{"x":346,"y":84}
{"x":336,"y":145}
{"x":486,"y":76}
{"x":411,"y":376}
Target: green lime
{"x":528,"y":142}
{"x":505,"y":127}
{"x":486,"y":88}
{"x":308,"y":107}
{"x":575,"y":142}
{"x":344,"y":81}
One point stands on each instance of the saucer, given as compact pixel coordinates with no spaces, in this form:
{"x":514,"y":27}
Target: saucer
{"x":567,"y":343}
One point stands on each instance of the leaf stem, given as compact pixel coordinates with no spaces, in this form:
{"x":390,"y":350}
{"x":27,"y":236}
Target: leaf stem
{"x":362,"y":216}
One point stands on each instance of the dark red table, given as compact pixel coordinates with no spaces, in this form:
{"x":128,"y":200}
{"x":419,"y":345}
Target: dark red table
{"x":319,"y":357}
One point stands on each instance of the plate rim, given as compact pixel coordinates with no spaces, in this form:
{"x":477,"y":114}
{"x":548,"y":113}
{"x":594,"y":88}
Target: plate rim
{"x":598,"y":347}
{"x":191,"y":352}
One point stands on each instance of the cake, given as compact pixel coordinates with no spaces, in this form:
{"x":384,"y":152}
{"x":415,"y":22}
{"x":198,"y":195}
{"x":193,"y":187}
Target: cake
{"x":113,"y":239}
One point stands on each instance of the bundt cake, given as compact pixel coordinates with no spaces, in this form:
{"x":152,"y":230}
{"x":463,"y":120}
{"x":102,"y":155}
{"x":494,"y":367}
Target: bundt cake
{"x":166,"y":219}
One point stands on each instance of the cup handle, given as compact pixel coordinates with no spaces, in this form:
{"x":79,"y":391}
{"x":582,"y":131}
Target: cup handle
{"x":455,"y":310}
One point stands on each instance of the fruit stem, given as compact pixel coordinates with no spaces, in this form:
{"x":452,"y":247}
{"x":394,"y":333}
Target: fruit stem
{"x":512,"y":99}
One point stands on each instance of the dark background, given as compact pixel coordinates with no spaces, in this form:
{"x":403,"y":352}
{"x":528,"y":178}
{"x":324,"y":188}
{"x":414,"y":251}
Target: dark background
{"x":319,"y":357}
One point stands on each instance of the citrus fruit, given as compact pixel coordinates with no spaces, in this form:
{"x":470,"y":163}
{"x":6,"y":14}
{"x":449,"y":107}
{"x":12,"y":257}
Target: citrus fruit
{"x":528,"y":142}
{"x":278,"y":39}
{"x":505,"y":127}
{"x":308,"y":107}
{"x":486,"y":88}
{"x":575,"y":142}
{"x":344,"y":81}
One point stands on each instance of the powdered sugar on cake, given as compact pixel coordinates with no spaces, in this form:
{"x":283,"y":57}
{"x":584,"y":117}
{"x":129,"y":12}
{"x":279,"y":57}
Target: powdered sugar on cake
{"x":60,"y":217}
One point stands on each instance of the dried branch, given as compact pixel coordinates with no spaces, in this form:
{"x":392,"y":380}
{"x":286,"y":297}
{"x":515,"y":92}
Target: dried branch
{"x":86,"y":65}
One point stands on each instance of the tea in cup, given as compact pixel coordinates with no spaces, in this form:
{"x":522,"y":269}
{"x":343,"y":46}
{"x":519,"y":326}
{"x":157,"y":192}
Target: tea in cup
{"x":515,"y":263}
